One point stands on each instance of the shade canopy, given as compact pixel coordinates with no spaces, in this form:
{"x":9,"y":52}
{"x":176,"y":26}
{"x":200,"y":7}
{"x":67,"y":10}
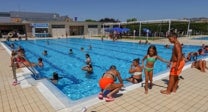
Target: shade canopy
{"x":117,"y":29}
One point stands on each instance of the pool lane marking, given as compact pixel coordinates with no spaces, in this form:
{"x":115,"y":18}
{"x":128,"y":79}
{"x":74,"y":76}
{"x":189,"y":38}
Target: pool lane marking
{"x":70,"y":76}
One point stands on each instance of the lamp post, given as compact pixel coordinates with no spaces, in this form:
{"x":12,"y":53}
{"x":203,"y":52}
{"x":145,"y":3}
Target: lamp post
{"x":147,"y":34}
{"x":134,"y":33}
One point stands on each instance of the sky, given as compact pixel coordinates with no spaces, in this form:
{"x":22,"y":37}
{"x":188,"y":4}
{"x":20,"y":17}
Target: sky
{"x":117,"y":9}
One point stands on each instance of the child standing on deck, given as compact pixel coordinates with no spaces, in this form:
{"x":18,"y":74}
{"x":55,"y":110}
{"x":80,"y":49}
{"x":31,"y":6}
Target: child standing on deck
{"x":150,"y":58}
{"x":14,"y":66}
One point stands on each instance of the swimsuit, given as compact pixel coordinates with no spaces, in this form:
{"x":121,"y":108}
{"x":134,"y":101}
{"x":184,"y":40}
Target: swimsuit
{"x":106,"y":92}
{"x":114,"y":77}
{"x":105,"y":82}
{"x":138,"y":80}
{"x":180,"y":67}
{"x":152,"y":60}
{"x":137,"y":73}
{"x":148,"y":69}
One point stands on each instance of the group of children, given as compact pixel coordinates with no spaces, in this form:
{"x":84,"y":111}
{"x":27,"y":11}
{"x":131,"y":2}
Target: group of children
{"x":107,"y":85}
{"x":136,"y":69}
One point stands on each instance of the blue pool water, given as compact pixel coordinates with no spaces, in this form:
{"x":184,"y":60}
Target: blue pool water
{"x":77,"y":84}
{"x":200,"y":38}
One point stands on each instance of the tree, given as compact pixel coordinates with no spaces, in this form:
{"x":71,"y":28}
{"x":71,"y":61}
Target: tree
{"x":90,"y":20}
{"x":131,"y":19}
{"x":108,"y":20}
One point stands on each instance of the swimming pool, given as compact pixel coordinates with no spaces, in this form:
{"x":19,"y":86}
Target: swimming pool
{"x":200,"y":38}
{"x":77,"y":84}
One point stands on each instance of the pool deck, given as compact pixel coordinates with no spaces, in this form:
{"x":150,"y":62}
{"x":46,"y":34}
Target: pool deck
{"x":192,"y":95}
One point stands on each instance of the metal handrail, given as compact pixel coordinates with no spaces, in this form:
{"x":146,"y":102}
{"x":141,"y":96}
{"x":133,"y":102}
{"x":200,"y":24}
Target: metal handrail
{"x":32,"y":68}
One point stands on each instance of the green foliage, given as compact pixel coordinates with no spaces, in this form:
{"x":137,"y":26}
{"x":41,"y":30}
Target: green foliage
{"x":108,"y":20}
{"x":131,"y":19}
{"x":197,"y":28}
{"x":90,"y":20}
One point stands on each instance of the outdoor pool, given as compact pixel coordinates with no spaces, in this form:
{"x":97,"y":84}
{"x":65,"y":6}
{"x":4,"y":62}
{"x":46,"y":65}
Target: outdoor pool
{"x":77,"y":84}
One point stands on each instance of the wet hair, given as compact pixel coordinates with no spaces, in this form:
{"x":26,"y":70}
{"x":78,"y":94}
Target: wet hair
{"x":172,"y":34}
{"x":136,"y":60}
{"x":70,"y":49}
{"x":152,"y":47}
{"x":40,"y":59}
{"x":113,"y":67}
{"x":87,"y":55}
{"x":55,"y":76}
{"x":45,"y":52}
{"x":90,"y":65}
{"x":13,"y":53}
{"x":200,"y":51}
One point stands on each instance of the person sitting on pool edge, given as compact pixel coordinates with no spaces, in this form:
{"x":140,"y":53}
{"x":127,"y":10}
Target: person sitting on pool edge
{"x":136,"y":72}
{"x":191,"y":56}
{"x":107,"y":85}
{"x":22,"y":61}
{"x":88,"y":68}
{"x":200,"y":64}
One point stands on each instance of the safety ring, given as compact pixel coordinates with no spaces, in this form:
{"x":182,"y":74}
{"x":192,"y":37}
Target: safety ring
{"x":10,"y":34}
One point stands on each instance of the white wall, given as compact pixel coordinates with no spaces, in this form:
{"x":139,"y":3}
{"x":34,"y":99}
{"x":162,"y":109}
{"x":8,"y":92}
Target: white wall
{"x":58,"y":32}
{"x":92,"y":31}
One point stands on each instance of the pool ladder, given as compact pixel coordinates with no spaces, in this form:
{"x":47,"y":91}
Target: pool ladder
{"x":32,"y":69}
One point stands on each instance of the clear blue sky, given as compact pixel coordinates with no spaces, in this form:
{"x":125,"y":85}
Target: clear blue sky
{"x":117,"y":9}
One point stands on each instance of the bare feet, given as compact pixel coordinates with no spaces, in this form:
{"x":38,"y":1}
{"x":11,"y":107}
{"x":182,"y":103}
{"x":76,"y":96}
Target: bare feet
{"x":150,"y":86}
{"x":164,"y":92}
{"x":174,"y":90}
{"x":146,"y":92}
{"x":202,"y":70}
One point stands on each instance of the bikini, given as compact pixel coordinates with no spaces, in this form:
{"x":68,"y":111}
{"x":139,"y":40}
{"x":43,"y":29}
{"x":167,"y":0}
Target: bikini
{"x":150,"y":59}
{"x":136,"y":74}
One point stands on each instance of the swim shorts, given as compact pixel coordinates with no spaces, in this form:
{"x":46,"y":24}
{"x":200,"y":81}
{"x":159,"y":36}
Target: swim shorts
{"x":180,"y":67}
{"x":106,"y":92}
{"x":104,"y":82}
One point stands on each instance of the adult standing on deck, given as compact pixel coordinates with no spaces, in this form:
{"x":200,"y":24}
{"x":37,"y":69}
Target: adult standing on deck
{"x":177,"y":64}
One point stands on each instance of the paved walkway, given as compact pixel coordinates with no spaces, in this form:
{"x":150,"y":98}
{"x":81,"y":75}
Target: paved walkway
{"x":192,"y":95}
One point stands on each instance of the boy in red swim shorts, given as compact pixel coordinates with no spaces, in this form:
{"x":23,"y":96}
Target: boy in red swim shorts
{"x":179,"y":70}
{"x":177,"y":62}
